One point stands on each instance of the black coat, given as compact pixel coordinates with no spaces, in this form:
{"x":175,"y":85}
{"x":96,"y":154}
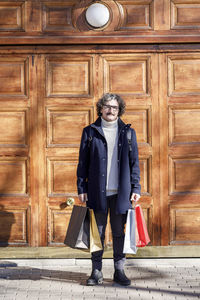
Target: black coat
{"x":92,"y":167}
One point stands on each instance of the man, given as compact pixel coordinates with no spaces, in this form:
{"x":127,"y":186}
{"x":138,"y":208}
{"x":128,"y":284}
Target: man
{"x":108,"y":179}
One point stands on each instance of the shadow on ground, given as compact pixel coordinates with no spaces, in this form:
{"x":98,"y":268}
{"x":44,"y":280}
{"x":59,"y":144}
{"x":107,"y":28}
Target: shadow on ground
{"x":10,"y":271}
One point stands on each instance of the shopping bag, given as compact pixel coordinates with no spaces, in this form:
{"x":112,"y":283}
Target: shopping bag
{"x":130,"y":233}
{"x":78,"y":233}
{"x":142,"y":238}
{"x":95,"y":241}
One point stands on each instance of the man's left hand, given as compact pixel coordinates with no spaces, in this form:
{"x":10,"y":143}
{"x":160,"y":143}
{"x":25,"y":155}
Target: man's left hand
{"x":135,"y":197}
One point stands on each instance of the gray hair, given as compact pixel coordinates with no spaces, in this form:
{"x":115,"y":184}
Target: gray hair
{"x":108,"y":97}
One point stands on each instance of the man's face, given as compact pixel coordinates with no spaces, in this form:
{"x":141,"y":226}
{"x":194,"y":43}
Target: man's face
{"x":110,"y":110}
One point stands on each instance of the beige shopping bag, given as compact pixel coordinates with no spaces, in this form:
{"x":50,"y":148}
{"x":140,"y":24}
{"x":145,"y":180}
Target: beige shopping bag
{"x":95,"y":241}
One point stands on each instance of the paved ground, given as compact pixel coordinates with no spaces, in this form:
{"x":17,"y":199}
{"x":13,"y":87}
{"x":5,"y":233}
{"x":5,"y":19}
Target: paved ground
{"x":65,"y":279}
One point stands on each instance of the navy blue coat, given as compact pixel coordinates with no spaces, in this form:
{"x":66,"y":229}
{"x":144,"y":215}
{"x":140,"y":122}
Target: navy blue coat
{"x":92,"y":167}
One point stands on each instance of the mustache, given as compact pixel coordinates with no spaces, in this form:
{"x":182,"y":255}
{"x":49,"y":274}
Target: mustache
{"x":109,"y":114}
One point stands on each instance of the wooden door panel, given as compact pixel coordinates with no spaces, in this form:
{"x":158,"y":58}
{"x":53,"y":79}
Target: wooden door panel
{"x":183,"y":76}
{"x":58,"y":222}
{"x":14,"y":177}
{"x":138,"y":15}
{"x":14,"y":224}
{"x":184,"y":125}
{"x":184,"y":225}
{"x":140,"y":119}
{"x":61,"y":177}
{"x":13,"y":129}
{"x":185,"y":15}
{"x":69,"y":76}
{"x":59,"y":125}
{"x":126,"y":75}
{"x":57,"y":16}
{"x":184,"y":175}
{"x":14,"y":77}
{"x":12,"y":16}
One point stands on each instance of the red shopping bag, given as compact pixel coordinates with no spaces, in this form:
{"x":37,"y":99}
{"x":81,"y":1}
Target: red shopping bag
{"x":142,"y":236}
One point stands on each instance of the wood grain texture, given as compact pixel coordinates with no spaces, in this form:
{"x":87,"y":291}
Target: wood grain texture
{"x":12,"y":16}
{"x":41,"y":130}
{"x":137,"y":15}
{"x":63,"y":22}
{"x":184,"y":225}
{"x":180,"y":155}
{"x":185,"y":15}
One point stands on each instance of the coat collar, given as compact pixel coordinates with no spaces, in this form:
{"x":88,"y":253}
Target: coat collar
{"x":97,"y":126}
{"x":121,"y":124}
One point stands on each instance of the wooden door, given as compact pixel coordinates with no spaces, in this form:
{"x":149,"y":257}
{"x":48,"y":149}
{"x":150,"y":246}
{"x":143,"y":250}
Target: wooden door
{"x":70,"y":87}
{"x":18,"y":148}
{"x":179,"y":94}
{"x":133,"y":77}
{"x":46,"y":101}
{"x":68,"y":94}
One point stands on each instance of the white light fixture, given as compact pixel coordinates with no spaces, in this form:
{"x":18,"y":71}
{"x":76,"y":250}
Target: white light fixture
{"x":97,"y":15}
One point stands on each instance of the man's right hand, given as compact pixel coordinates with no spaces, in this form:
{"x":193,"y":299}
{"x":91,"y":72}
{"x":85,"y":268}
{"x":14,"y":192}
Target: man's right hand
{"x":82,"y":198}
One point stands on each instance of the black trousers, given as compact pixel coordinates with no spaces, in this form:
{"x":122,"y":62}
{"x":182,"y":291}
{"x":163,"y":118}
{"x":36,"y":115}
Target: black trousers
{"x":117,"y":226}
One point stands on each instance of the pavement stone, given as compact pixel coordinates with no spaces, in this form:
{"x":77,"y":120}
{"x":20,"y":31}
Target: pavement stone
{"x":156,"y":279}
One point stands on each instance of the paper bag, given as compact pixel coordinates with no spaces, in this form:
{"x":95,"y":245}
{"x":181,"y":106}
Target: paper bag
{"x":78,"y":233}
{"x":142,"y":233}
{"x":130,"y":233}
{"x":95,"y":241}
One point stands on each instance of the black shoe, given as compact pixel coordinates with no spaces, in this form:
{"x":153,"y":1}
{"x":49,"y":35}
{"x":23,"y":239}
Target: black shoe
{"x":120,"y":277}
{"x":95,"y":278}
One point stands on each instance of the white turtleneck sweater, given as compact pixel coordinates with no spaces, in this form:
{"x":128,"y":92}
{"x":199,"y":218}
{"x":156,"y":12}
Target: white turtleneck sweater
{"x":110,"y":130}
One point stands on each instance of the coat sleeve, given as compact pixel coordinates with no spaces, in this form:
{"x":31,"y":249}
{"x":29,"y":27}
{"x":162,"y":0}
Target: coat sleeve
{"x":83,"y":164}
{"x":134,"y":165}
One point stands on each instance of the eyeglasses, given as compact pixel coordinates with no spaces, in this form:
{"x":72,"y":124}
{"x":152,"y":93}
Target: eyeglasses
{"x":108,"y":107}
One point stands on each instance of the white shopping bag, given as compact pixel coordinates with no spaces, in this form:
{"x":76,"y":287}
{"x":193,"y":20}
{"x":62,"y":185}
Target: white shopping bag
{"x":130,"y":234}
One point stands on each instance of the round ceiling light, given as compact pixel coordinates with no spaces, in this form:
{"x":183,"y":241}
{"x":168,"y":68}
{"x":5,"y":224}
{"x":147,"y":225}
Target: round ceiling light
{"x":97,"y":15}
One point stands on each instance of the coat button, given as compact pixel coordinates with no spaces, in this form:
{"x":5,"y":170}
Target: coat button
{"x":102,"y":191}
{"x":120,"y":145}
{"x":103,"y":175}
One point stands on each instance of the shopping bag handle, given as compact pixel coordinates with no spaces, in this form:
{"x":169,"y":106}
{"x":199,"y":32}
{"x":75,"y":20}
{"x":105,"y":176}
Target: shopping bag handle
{"x":134,"y":204}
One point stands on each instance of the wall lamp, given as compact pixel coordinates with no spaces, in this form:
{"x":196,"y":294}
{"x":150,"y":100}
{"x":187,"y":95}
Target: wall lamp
{"x":97,"y":15}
